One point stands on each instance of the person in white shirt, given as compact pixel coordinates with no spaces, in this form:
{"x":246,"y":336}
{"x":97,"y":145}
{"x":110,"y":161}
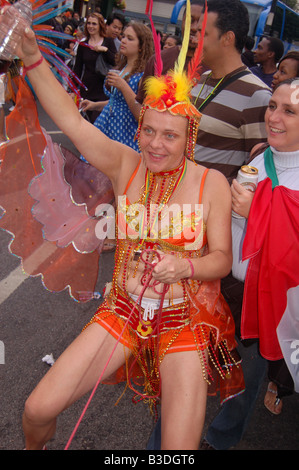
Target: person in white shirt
{"x":282,"y":121}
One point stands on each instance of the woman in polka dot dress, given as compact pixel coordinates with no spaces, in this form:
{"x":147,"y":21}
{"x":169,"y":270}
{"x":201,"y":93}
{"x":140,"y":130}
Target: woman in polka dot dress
{"x":119,"y":115}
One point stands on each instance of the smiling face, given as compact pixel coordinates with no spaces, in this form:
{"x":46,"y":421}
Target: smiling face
{"x":282,"y":119}
{"x":163,"y":139}
{"x":92,"y":25}
{"x":287,"y":69}
{"x":114,"y":29}
{"x":130,"y":43}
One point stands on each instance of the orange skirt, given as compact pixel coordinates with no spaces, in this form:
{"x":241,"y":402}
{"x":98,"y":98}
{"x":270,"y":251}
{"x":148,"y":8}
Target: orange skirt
{"x":184,"y":337}
{"x":149,"y":341}
{"x":184,"y":341}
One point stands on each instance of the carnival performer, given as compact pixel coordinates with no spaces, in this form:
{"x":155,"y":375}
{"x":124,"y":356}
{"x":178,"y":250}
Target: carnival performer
{"x":268,"y":265}
{"x":119,"y":118}
{"x":164,"y":322}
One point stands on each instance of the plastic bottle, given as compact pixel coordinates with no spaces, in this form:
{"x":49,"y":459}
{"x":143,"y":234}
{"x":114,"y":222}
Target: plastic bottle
{"x":14,"y":22}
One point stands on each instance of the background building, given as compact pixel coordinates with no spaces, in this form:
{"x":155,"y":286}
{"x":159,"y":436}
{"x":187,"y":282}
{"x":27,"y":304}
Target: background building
{"x":134,"y":10}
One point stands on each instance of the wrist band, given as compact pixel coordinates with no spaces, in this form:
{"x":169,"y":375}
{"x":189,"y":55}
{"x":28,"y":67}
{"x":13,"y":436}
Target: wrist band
{"x":30,"y":67}
{"x":192,"y":267}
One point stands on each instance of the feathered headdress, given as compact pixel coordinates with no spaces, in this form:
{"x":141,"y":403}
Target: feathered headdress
{"x":172,"y":92}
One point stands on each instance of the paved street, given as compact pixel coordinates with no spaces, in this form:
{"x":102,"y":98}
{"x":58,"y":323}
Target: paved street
{"x":35,"y":322}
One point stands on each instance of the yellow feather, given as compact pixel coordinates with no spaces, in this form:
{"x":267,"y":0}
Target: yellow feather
{"x":183,"y":86}
{"x":179,"y":66}
{"x":154,"y":86}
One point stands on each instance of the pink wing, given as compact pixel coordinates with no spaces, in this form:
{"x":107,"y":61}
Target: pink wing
{"x":54,"y":239}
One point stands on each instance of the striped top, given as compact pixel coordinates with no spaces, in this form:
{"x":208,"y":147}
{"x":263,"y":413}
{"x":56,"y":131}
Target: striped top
{"x":232,"y":123}
{"x":287,"y":169}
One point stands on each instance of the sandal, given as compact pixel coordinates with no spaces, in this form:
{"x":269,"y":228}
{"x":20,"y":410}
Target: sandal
{"x":271,"y":401}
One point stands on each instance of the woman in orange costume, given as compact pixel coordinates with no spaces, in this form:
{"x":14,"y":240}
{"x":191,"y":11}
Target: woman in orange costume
{"x":164,"y":320}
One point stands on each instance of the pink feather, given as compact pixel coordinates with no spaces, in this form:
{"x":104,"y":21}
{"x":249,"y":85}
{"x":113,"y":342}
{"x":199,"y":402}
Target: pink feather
{"x":157,"y":42}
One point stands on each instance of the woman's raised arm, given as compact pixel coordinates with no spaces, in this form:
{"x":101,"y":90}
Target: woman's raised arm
{"x":106,"y":155}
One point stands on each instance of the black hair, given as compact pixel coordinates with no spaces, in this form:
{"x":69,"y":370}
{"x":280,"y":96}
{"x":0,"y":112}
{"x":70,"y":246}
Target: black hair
{"x":116,"y":16}
{"x":201,"y":3}
{"x":275,"y":45}
{"x":232,"y":15}
{"x":291,"y":55}
{"x":177,"y":39}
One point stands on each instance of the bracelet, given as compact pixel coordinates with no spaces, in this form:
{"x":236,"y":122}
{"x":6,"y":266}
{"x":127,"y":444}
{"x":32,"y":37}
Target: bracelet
{"x":192,"y":267}
{"x":30,"y":67}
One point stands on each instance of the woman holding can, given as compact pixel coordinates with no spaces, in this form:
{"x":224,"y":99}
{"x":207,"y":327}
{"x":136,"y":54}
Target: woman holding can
{"x":265,"y":242}
{"x":265,"y":264}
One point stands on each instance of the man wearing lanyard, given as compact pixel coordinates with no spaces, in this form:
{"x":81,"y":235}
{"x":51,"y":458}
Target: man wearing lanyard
{"x":231,"y":99}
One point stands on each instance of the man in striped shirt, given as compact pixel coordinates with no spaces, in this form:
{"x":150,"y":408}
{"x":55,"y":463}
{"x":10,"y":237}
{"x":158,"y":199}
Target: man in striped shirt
{"x":232,"y":124}
{"x":233,"y":120}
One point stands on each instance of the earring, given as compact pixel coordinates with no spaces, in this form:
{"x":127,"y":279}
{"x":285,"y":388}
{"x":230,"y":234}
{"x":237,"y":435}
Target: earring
{"x":191,"y":141}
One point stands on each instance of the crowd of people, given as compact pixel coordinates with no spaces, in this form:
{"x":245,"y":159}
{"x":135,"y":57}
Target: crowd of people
{"x":240,"y":111}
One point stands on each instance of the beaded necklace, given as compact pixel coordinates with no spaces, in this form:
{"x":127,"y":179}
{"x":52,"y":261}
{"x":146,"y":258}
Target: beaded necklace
{"x":173,"y":177}
{"x":130,"y":250}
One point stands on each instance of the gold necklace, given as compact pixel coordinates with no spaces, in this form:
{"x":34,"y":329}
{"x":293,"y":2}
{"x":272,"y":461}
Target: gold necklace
{"x":173,"y":178}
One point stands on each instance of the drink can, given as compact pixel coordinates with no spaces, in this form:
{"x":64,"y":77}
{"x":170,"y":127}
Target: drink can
{"x":247,"y":177}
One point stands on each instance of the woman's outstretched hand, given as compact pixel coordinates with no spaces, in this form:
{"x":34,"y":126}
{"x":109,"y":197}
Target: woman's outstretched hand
{"x":87,"y":105}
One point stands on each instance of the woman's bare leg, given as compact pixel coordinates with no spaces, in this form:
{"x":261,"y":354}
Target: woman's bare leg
{"x":183,"y":405}
{"x":72,"y":375}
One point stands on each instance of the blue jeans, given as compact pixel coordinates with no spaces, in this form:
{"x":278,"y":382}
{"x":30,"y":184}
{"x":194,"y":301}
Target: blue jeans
{"x":228,"y":427}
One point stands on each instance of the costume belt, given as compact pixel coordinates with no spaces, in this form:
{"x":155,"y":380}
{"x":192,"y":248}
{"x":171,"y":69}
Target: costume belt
{"x":144,"y":321}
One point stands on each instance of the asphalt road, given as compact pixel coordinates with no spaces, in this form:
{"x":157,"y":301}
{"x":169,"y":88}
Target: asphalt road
{"x":35,"y":322}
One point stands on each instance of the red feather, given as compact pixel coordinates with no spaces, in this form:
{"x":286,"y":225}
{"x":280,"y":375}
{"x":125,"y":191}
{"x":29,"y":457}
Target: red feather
{"x":193,"y":68}
{"x":4,"y":3}
{"x":147,"y":7}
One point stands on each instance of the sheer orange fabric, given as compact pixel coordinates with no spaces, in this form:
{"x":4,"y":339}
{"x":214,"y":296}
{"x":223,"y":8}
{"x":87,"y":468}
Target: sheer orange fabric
{"x":205,"y":325}
{"x":60,"y":264}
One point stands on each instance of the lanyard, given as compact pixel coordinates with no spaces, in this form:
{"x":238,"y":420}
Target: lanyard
{"x":224,"y":82}
{"x":209,"y":96}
